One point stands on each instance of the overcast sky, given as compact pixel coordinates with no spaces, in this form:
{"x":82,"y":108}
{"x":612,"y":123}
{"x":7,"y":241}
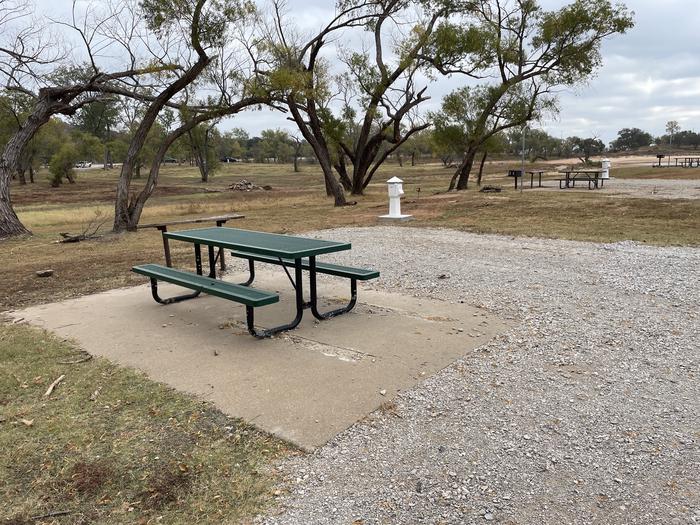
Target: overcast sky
{"x":650,"y":75}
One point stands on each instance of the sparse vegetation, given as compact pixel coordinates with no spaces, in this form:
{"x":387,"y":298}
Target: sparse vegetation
{"x":110,"y":446}
{"x":296,"y":204}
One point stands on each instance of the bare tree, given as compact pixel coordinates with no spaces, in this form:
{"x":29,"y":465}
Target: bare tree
{"x":207,"y":30}
{"x":295,"y":66}
{"x":378,"y":93}
{"x":56,"y":82}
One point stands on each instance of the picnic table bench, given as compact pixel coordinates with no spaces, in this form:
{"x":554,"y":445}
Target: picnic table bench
{"x":285,"y":250}
{"x":162,"y":227}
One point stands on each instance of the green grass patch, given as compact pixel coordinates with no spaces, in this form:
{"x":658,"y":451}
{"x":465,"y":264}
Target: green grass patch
{"x":111,"y":446}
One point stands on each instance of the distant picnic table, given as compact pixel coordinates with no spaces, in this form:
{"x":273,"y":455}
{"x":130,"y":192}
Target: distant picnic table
{"x":688,"y":162}
{"x":519,"y":173}
{"x":592,"y":177}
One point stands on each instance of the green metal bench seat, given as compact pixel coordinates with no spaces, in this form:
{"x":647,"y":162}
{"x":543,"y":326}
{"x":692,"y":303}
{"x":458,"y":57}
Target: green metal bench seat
{"x":354,"y":274}
{"x":348,"y":272}
{"x":250,"y":297}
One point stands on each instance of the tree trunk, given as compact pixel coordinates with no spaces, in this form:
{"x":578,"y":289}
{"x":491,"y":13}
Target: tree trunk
{"x":481,"y":168}
{"x":31,"y":173}
{"x":313,"y":134}
{"x":413,"y":158}
{"x":22,"y":177}
{"x":342,"y":169}
{"x":10,"y":224}
{"x":126,"y":214}
{"x":199,"y":157}
{"x":465,"y":169}
{"x":296,"y":163}
{"x":399,"y":158}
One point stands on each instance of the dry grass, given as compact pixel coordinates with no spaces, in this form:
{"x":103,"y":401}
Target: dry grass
{"x":109,"y":446}
{"x":296,"y":204}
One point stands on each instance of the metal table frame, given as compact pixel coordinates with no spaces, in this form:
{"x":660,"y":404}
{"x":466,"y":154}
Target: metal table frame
{"x":280,"y":246}
{"x":532,"y":178}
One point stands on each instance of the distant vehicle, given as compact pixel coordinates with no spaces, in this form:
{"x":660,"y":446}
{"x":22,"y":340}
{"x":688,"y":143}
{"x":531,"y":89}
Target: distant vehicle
{"x":229,"y":159}
{"x":169,"y":160}
{"x":83,"y":164}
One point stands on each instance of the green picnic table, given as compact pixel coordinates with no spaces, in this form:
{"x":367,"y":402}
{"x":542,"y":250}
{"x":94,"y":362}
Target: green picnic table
{"x":287,"y":251}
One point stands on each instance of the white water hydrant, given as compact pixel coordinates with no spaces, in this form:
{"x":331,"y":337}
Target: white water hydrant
{"x":395,"y":193}
{"x":605,"y":166}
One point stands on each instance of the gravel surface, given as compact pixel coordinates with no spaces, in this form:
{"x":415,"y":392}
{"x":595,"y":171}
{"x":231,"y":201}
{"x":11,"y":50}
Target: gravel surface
{"x":653,"y":188}
{"x":585,"y":412}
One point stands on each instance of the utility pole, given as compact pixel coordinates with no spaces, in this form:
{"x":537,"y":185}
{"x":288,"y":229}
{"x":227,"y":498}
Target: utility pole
{"x":522,"y":157}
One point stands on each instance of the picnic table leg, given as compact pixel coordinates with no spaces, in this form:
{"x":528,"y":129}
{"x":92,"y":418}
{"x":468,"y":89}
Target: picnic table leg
{"x":198,"y":258}
{"x":212,"y":262}
{"x":532,"y":179}
{"x":268,"y":332}
{"x":222,"y":261}
{"x":171,"y":300}
{"x":251,"y":269}
{"x":314,"y":297}
{"x":166,"y":246}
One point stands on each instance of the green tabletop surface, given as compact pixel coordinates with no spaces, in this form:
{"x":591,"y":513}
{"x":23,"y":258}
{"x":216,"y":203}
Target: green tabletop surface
{"x":287,"y":246}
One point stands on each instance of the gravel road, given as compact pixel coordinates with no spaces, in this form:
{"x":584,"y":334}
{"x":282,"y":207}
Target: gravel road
{"x":586,"y":412}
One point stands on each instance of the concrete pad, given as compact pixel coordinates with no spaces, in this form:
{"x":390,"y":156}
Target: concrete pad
{"x":304,"y":386}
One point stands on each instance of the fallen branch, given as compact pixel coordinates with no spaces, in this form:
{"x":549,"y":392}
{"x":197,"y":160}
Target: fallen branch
{"x":53,"y":514}
{"x":53,"y":385}
{"x":90,"y":232}
{"x":86,"y":357}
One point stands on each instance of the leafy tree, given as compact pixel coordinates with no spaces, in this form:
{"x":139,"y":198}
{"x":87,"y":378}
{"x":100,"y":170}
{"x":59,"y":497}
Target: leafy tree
{"x":61,"y":165}
{"x":527,"y":53}
{"x":585,"y":148}
{"x":447,"y":140}
{"x":417,"y":145}
{"x":275,"y":144}
{"x":34,"y":65}
{"x":300,"y":148}
{"x":100,"y":119}
{"x":375,"y":97}
{"x":688,"y":138}
{"x":672,"y":127}
{"x":232,"y":143}
{"x":203,"y":151}
{"x":204,"y":27}
{"x":538,"y":144}
{"x":631,"y":138}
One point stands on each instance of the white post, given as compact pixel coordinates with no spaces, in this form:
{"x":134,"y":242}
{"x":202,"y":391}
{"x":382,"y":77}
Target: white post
{"x":395,"y":186}
{"x":605,"y":165}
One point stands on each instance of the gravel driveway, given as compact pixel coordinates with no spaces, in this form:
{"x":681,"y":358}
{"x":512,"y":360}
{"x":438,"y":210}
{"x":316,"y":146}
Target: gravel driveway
{"x":587,"y":412}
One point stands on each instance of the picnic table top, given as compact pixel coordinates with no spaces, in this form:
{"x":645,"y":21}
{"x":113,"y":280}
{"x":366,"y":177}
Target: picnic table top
{"x":526,"y":171}
{"x":216,"y":218}
{"x":583,"y":171}
{"x":287,"y":246}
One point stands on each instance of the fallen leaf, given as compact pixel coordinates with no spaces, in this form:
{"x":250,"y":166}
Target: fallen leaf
{"x":28,"y":422}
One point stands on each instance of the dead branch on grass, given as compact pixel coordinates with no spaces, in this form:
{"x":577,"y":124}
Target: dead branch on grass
{"x":89,"y":233}
{"x":85,"y":357}
{"x":54,"y":385}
